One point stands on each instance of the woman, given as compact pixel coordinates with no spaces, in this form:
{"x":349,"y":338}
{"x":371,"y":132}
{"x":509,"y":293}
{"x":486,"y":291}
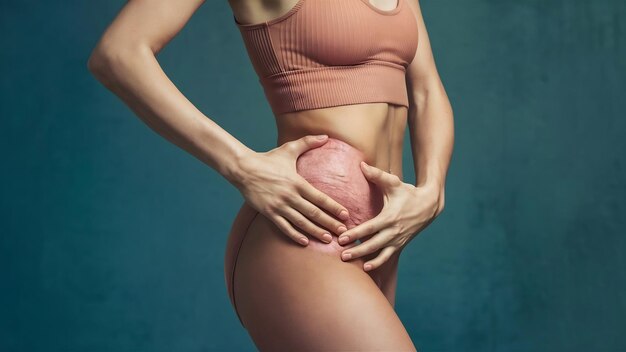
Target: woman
{"x":354,"y":71}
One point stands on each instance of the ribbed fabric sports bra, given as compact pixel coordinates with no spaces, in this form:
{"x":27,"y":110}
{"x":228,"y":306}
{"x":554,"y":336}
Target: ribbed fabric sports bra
{"x":324,"y":53}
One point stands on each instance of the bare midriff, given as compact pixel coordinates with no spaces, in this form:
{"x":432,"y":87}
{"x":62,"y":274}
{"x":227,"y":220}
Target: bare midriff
{"x":372,"y":132}
{"x":375,"y":129}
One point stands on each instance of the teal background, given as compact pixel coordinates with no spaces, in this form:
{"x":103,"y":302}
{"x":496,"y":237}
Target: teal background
{"x":112,"y":239}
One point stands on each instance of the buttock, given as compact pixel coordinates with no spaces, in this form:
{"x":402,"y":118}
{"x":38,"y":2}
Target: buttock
{"x":334,"y":169}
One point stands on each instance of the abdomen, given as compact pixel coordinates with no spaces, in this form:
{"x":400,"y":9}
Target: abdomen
{"x":374,"y":129}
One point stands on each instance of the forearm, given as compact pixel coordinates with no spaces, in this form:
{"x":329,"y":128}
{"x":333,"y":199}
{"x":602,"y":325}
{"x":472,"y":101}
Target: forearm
{"x":136,"y":77}
{"x":431,"y":129}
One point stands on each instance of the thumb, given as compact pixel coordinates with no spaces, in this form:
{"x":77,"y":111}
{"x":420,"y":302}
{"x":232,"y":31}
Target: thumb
{"x":378,"y":176}
{"x":305,"y":143}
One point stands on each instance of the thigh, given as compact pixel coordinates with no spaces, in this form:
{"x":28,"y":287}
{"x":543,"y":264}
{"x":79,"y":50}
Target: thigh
{"x":292,"y":297}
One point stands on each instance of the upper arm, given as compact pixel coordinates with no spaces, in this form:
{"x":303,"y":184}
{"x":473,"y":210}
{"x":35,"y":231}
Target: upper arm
{"x":149,"y":23}
{"x":421,"y":73}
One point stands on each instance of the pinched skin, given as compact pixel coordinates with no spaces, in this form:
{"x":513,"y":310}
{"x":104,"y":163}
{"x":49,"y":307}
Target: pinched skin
{"x":334,"y":169}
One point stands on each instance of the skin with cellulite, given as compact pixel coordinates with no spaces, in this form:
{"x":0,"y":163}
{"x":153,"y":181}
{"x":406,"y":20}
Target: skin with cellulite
{"x":334,"y":169}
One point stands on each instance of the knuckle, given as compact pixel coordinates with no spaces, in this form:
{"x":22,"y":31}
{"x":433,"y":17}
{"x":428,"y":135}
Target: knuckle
{"x":290,"y":146}
{"x":369,"y":249}
{"x":302,"y":185}
{"x":384,"y":221}
{"x":363,"y":248}
{"x":388,"y":250}
{"x":278,"y":200}
{"x":282,"y":197}
{"x":298,"y":184}
{"x":318,"y":196}
{"x":287,"y":201}
{"x":336,"y":206}
{"x":279,"y":204}
{"x":314,"y":213}
{"x":389,"y":220}
{"x":299,"y":222}
{"x":327,"y":221}
{"x":268,"y":209}
{"x":324,"y":200}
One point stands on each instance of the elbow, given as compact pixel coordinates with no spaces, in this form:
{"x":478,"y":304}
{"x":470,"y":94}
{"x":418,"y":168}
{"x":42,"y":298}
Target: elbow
{"x":440,"y":203}
{"x":101,"y":56}
{"x":106,"y":62}
{"x":101,"y":63}
{"x":95,"y":63}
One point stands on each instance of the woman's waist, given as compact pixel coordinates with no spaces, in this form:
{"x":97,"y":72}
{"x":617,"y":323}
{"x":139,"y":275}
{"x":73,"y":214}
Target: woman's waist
{"x":372,"y":132}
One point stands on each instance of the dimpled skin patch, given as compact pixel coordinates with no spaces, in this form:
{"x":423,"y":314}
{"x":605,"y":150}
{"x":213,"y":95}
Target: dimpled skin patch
{"x":334,"y":169}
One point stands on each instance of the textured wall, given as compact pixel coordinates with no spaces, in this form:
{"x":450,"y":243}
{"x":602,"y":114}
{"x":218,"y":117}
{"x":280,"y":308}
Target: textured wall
{"x":111,"y":239}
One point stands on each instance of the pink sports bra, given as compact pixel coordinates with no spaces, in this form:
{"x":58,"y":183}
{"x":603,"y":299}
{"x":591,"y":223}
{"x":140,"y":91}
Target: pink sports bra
{"x":324,"y":53}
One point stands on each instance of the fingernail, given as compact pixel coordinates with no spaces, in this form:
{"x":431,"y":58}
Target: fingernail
{"x":342,"y":229}
{"x":327,"y":237}
{"x":343,"y":215}
{"x":322,"y":136}
{"x":304,"y":240}
{"x":367,"y":267}
{"x":346,"y":256}
{"x":343,"y":239}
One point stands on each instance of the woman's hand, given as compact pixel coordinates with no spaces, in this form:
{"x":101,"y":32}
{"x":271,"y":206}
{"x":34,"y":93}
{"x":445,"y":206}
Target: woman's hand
{"x":270,"y":183}
{"x":406,"y":211}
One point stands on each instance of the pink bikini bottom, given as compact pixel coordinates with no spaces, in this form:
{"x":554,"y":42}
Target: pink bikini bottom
{"x":334,"y":169}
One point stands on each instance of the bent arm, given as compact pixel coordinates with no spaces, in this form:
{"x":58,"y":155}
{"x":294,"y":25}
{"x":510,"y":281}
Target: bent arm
{"x":431,"y":122}
{"x":124,"y":61}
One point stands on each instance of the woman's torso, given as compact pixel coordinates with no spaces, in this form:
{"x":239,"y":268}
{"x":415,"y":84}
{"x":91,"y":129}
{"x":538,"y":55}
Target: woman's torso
{"x":377,"y":129}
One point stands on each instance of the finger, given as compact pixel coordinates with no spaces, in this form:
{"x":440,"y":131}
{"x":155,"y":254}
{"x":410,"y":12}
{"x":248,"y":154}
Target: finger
{"x":373,"y":244}
{"x":382,"y":257}
{"x":301,"y":145}
{"x":304,"y":224}
{"x":379,"y":176}
{"x":322,"y":200}
{"x":364,"y":229}
{"x":317,"y":215}
{"x":289,"y":230}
